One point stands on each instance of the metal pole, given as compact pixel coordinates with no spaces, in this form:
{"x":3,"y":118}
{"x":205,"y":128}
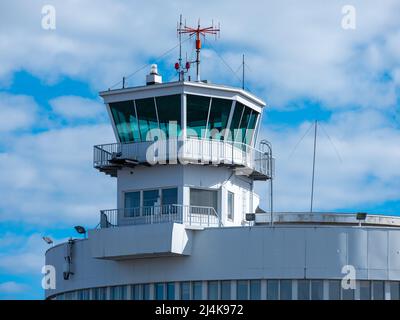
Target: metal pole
{"x":313,"y":168}
{"x":180,"y":48}
{"x":271,"y":186}
{"x":197,"y":57}
{"x":243,"y":73}
{"x":269,"y":146}
{"x":198,"y":46}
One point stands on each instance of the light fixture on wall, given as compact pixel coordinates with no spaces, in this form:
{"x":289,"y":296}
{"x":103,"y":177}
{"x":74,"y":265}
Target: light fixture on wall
{"x":81,"y":230}
{"x":48,"y":240}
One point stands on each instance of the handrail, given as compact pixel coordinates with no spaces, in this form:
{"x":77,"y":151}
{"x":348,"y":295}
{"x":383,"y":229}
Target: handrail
{"x":185,"y":214}
{"x":189,"y":150}
{"x":327,"y":218}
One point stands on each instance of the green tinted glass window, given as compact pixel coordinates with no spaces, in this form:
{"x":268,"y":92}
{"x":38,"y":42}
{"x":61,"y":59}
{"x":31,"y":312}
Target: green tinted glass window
{"x":197,"y":113}
{"x":250,"y":127}
{"x":365,"y":290}
{"x":185,"y":290}
{"x":285,"y":292}
{"x":146,"y":113}
{"x":212,"y":290}
{"x":146,"y":291}
{"x":226,"y":290}
{"x":159,"y":291}
{"x":197,"y":290}
{"x":135,"y":292}
{"x":125,"y":121}
{"x":334,"y":289}
{"x":242,"y":290}
{"x":303,"y":290}
{"x":235,"y":122}
{"x":255,"y":289}
{"x":273,"y":290}
{"x":218,"y":117}
{"x":243,"y":124}
{"x":241,"y":134}
{"x":170,"y":291}
{"x":169,"y":110}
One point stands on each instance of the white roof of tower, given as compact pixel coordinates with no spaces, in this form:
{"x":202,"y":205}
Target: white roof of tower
{"x":179,"y":87}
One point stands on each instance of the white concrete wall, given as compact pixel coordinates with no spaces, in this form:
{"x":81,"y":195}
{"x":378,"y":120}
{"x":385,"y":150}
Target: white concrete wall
{"x":127,"y":242}
{"x":313,"y":252}
{"x":186,"y":176}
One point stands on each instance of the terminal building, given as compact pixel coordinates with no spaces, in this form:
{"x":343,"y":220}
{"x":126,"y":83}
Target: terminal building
{"x":187,"y":224}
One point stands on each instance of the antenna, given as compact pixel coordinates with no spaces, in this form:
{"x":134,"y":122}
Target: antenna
{"x":313,"y":167}
{"x":197,"y":31}
{"x":180,"y":46}
{"x":243,"y":73}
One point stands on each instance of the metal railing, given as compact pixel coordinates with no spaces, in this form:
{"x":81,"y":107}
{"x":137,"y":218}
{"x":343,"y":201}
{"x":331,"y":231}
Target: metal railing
{"x":188,"y":215}
{"x":326,"y":218}
{"x":189,"y":150}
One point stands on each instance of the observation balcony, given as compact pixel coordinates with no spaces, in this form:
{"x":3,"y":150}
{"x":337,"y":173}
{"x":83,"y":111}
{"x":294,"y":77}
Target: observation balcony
{"x":246,"y":160}
{"x":191,"y":216}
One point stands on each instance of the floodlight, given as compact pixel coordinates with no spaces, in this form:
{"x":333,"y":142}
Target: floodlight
{"x":80,"y":230}
{"x":250,"y":216}
{"x":48,"y":240}
{"x":361,"y":216}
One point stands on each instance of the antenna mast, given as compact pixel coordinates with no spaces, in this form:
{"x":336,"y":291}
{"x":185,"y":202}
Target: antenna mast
{"x":180,"y":46}
{"x":198,"y":31}
{"x":243,"y":72}
{"x":313,"y":167}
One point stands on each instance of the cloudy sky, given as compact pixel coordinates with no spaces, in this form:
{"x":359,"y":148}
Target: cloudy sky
{"x":299,"y":59}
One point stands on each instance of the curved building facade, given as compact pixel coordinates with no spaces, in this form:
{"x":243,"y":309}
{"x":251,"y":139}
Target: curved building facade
{"x":290,"y":260}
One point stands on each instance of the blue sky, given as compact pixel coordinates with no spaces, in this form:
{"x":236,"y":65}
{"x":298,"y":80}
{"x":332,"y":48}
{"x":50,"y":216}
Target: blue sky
{"x":300,"y":61}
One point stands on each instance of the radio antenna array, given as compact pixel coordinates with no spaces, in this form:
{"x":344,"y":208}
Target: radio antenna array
{"x":191,"y":31}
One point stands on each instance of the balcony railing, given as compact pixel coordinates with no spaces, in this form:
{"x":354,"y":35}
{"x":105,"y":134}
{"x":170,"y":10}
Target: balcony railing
{"x":188,"y":215}
{"x":252,"y":162}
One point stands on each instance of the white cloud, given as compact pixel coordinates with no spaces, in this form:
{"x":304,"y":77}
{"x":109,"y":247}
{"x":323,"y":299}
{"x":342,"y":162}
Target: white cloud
{"x":24,"y":258}
{"x":48,"y":177}
{"x":365,"y":172}
{"x":294,"y":49}
{"x":12,"y":287}
{"x":17,"y":112}
{"x":73,"y":107}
